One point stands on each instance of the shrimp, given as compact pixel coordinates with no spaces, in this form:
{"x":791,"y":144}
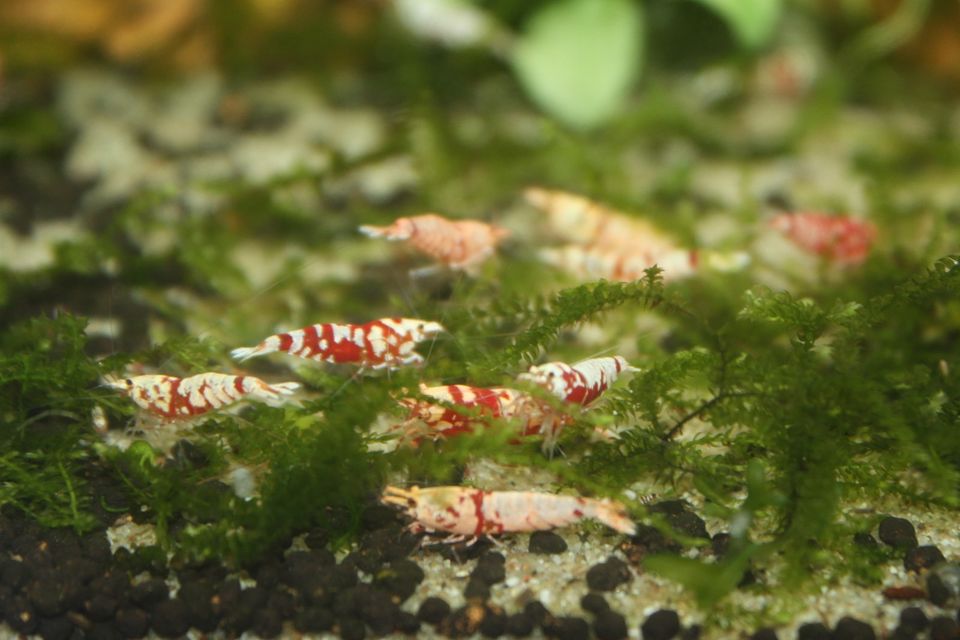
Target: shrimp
{"x":173,"y":399}
{"x":581,"y":383}
{"x":479,"y":405}
{"x":468,"y":513}
{"x":384,"y":343}
{"x":621,"y":265}
{"x":581,"y":221}
{"x":842,"y":239}
{"x":458,"y":244}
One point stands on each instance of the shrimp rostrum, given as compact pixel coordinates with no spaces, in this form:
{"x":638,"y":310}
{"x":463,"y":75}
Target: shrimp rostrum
{"x":466,"y":512}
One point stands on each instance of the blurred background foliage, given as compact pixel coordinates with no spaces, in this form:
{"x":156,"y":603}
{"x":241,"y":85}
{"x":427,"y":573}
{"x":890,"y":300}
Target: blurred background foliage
{"x":552,"y":47}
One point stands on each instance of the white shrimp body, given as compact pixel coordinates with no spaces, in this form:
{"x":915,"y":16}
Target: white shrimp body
{"x":173,"y":398}
{"x":384,"y":343}
{"x":582,"y":221}
{"x":579,"y":383}
{"x":465,"y":511}
{"x":458,"y":244}
{"x":626,"y":265}
{"x":444,"y":418}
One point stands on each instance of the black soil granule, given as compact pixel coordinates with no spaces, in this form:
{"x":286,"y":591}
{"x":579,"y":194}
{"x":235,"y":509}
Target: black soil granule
{"x":351,"y":629}
{"x":913,"y":619}
{"x":852,"y":629}
{"x":433,"y":610}
{"x":476,"y":590}
{"x":494,"y":622}
{"x":490,"y":568}
{"x":546,"y":542}
{"x":681,"y":518}
{"x":594,"y":603}
{"x":520,"y":624}
{"x":898,"y":533}
{"x":537,"y":612}
{"x":661,"y":625}
{"x":566,"y":628}
{"x":149,"y":592}
{"x":944,"y":628}
{"x":764,"y":634}
{"x":407,"y":623}
{"x":610,"y":625}
{"x":313,"y":620}
{"x":170,"y":619}
{"x":813,"y":631}
{"x":608,"y":575}
{"x":132,"y":622}
{"x":923,"y":557}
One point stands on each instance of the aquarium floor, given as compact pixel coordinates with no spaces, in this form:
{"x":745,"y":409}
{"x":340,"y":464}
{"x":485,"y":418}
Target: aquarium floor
{"x":505,"y":575}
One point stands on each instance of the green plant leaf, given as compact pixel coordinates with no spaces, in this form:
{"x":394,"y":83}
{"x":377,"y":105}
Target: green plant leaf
{"x":752,"y":21}
{"x":578,"y":58}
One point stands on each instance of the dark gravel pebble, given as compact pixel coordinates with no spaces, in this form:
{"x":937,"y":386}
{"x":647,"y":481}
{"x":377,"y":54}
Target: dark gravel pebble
{"x":96,"y":547}
{"x":520,"y":624}
{"x":400,"y":578}
{"x":55,"y":628}
{"x":852,"y":629}
{"x":943,"y":628}
{"x":692,"y":632}
{"x":149,"y":592}
{"x":764,"y":634}
{"x":913,"y":619}
{"x":267,"y":623}
{"x":494,"y":622}
{"x":476,"y":589}
{"x":463,"y":622}
{"x":813,"y":631}
{"x":660,"y":625}
{"x":102,"y":631}
{"x":132,"y":622}
{"x":864,"y":539}
{"x":720,"y":543}
{"x":170,"y":618}
{"x":200,"y":599}
{"x":490,"y":568}
{"x":546,"y":542}
{"x":922,"y":557}
{"x":938,"y":592}
{"x":608,"y":575}
{"x":648,"y":540}
{"x":610,"y":625}
{"x":407,"y":623}
{"x":19,"y":614}
{"x":351,"y":629}
{"x":433,"y":610}
{"x":681,"y":518}
{"x":101,"y":607}
{"x":536,"y":611}
{"x":377,"y":609}
{"x":898,"y":533}
{"x":566,"y":628}
{"x":313,"y":620}
{"x":594,"y":603}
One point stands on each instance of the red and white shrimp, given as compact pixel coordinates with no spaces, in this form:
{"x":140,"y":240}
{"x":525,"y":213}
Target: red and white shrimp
{"x":172,"y":399}
{"x":466,"y":512}
{"x":622,"y":265}
{"x":458,"y":244}
{"x":443,"y":419}
{"x":842,"y":239}
{"x":582,"y":221}
{"x":580,"y":383}
{"x":384,"y":343}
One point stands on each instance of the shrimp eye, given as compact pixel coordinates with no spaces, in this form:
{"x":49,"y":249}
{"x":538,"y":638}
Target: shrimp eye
{"x":551,"y":374}
{"x":128,"y":382}
{"x":420,"y":327}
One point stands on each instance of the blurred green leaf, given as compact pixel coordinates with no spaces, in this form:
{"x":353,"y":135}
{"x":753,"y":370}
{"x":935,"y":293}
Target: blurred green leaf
{"x":753,"y":21}
{"x":578,"y":58}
